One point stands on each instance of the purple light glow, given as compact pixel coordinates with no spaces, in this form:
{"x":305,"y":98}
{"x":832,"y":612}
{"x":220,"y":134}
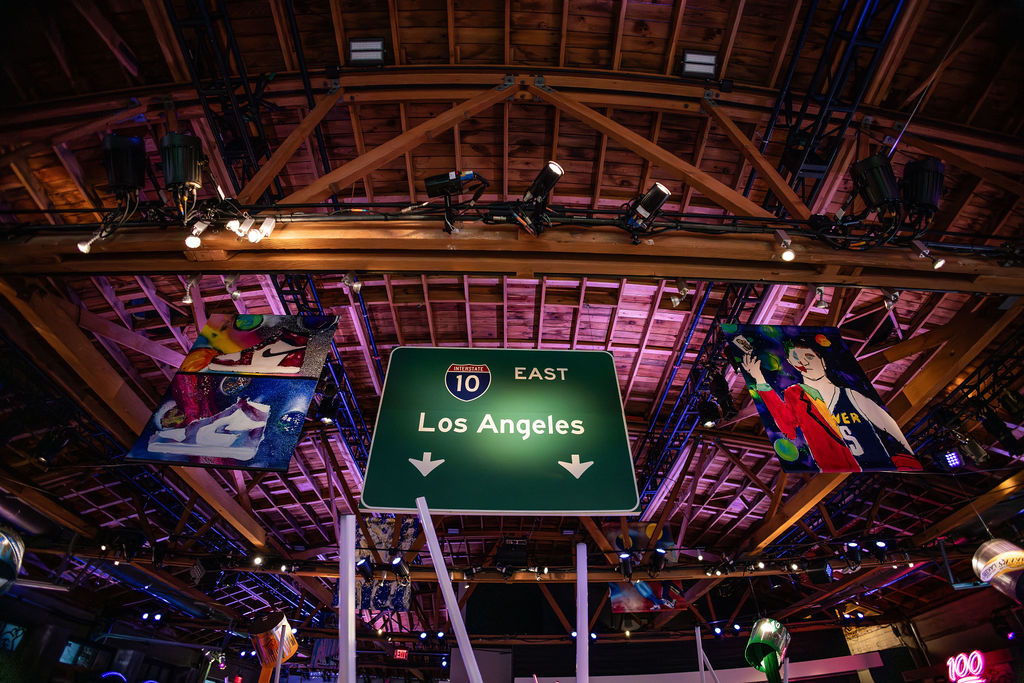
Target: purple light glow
{"x":953,"y":459}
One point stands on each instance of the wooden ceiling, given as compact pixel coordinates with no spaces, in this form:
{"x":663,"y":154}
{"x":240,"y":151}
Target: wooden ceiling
{"x":107,"y":327}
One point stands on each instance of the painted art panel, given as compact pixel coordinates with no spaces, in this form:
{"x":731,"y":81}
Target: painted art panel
{"x":272,"y":345}
{"x":233,"y":421}
{"x":648,"y":595}
{"x":820,"y":411}
{"x":377,"y":595}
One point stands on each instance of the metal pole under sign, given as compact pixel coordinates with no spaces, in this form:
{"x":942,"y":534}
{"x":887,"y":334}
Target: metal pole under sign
{"x":582,"y":618}
{"x":451,"y":603}
{"x":346,"y":602}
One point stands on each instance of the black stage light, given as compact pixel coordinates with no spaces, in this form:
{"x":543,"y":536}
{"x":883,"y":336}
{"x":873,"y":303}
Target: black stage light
{"x":644,"y":210}
{"x":658,"y":560}
{"x":876,"y":182}
{"x":922,"y":185}
{"x":819,"y":571}
{"x":852,"y":554}
{"x":970,"y":449}
{"x":125,"y":160}
{"x":1013,"y":404}
{"x":544,"y":183}
{"x":399,"y":567}
{"x":879,"y":549}
{"x":626,"y":564}
{"x":447,"y":184}
{"x":708,"y":412}
{"x":182,"y":157}
{"x":722,"y":394}
{"x":365,"y":568}
{"x":995,"y":426}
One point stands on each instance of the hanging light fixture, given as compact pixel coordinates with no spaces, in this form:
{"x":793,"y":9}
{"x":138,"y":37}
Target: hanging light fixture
{"x":125,"y":160}
{"x":642,"y":211}
{"x":194,"y":239}
{"x":786,"y":244}
{"x":924,"y":252}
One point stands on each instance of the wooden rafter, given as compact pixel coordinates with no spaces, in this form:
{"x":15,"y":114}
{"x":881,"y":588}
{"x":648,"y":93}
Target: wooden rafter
{"x":729,"y":40}
{"x":705,"y":183}
{"x":103,"y":28}
{"x":35,"y":190}
{"x":618,"y":30}
{"x":365,"y":164}
{"x":782,"y":45}
{"x":676,"y":22}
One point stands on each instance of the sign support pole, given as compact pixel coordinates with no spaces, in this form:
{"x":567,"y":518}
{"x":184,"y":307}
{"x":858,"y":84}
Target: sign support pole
{"x":700,"y":652}
{"x":346,"y":601}
{"x":582,"y":618}
{"x":451,"y":603}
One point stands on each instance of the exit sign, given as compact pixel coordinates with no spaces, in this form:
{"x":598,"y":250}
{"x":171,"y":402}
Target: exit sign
{"x":401,"y":653}
{"x":501,"y":431}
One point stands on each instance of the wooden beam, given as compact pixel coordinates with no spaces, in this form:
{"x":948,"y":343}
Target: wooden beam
{"x":599,"y":538}
{"x":114,"y":332}
{"x":563,"y":43}
{"x":799,"y":504}
{"x":357,"y":138}
{"x":923,"y":342}
{"x":449,"y":13}
{"x":890,"y":61}
{"x":410,"y":176}
{"x":729,"y":41}
{"x":164,"y":33}
{"x":974,"y":333}
{"x":555,"y":607}
{"x":279,"y":15}
{"x":619,"y":29}
{"x":396,"y":39}
{"x":35,"y":190}
{"x":966,"y":32}
{"x":42,"y":503}
{"x":74,"y":169}
{"x":794,"y":205}
{"x":71,"y":344}
{"x":254,"y":189}
{"x":49,"y":23}
{"x":361,"y":166}
{"x":714,"y":190}
{"x":338,"y":23}
{"x":163,"y":310}
{"x":1006,"y":488}
{"x":122,"y":52}
{"x":783,"y":45}
{"x":678,"y":7}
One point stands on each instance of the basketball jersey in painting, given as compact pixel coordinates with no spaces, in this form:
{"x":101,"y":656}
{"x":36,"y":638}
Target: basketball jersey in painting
{"x":859,"y":433}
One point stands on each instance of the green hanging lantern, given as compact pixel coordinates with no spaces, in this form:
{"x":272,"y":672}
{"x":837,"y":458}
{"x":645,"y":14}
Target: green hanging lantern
{"x":766,"y":648}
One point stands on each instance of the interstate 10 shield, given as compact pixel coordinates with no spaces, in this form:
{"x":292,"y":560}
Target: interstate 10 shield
{"x":467,"y":382}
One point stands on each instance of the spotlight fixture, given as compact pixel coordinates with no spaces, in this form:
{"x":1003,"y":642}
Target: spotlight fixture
{"x":266,"y":228}
{"x":626,"y":564}
{"x":949,"y":459}
{"x":157,"y":616}
{"x":879,"y":550}
{"x":699,"y":64}
{"x":365,"y":568}
{"x":182,"y":157}
{"x":852,"y":554}
{"x":85,"y":246}
{"x":231,"y":287}
{"x":889,"y":298}
{"x":793,"y":566}
{"x":573,"y":634}
{"x":718,"y":631}
{"x":190,"y":284}
{"x":145,"y":616}
{"x":1013,"y":404}
{"x":684,"y":291}
{"x":819,"y":299}
{"x":125,"y":160}
{"x":194,"y":239}
{"x":700,"y":555}
{"x":545,"y":181}
{"x":658,"y":559}
{"x":257,"y":560}
{"x":922,"y":186}
{"x":876,"y":184}
{"x":819,"y":571}
{"x":995,"y":426}
{"x":723,"y":395}
{"x":760,"y":564}
{"x":736,"y":627}
{"x":423,"y":635}
{"x":366,"y":51}
{"x":642,"y":211}
{"x":786,"y":244}
{"x":924,"y":252}
{"x":593,"y":636}
{"x":351,"y":281}
{"x":529,"y":213}
{"x":970,"y":449}
{"x":708,"y":412}
{"x":440,"y":635}
{"x":399,"y":567}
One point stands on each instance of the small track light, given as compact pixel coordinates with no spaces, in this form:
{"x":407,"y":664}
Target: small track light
{"x":786,"y":244}
{"x":231,"y":287}
{"x":190,"y":284}
{"x":735,"y":627}
{"x":266,"y":228}
{"x":351,"y":281}
{"x":924,"y":252}
{"x":819,"y":299}
{"x":85,"y":246}
{"x":718,"y":630}
{"x":257,"y":560}
{"x":889,"y":298}
{"x":194,"y":239}
{"x":423,"y":635}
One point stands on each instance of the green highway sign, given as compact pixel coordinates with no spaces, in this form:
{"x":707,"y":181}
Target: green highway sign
{"x":501,"y":431}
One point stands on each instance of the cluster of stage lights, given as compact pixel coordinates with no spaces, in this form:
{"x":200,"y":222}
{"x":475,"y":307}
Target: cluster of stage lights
{"x":719,"y":631}
{"x":249,"y":653}
{"x":156,"y":616}
{"x":593,"y":636}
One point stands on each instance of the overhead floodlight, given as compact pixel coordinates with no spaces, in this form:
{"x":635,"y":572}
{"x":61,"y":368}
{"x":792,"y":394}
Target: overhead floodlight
{"x":644,"y":210}
{"x":658,"y":560}
{"x":786,"y":244}
{"x":125,"y":160}
{"x":182,"y":157}
{"x":85,"y":246}
{"x":399,"y":567}
{"x":366,"y":51}
{"x":266,"y":228}
{"x":544,"y":183}
{"x":700,"y":64}
{"x":194,"y":238}
{"x":876,"y":183}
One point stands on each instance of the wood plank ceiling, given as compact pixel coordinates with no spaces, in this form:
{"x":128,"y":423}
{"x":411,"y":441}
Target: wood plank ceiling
{"x":108,"y":326}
